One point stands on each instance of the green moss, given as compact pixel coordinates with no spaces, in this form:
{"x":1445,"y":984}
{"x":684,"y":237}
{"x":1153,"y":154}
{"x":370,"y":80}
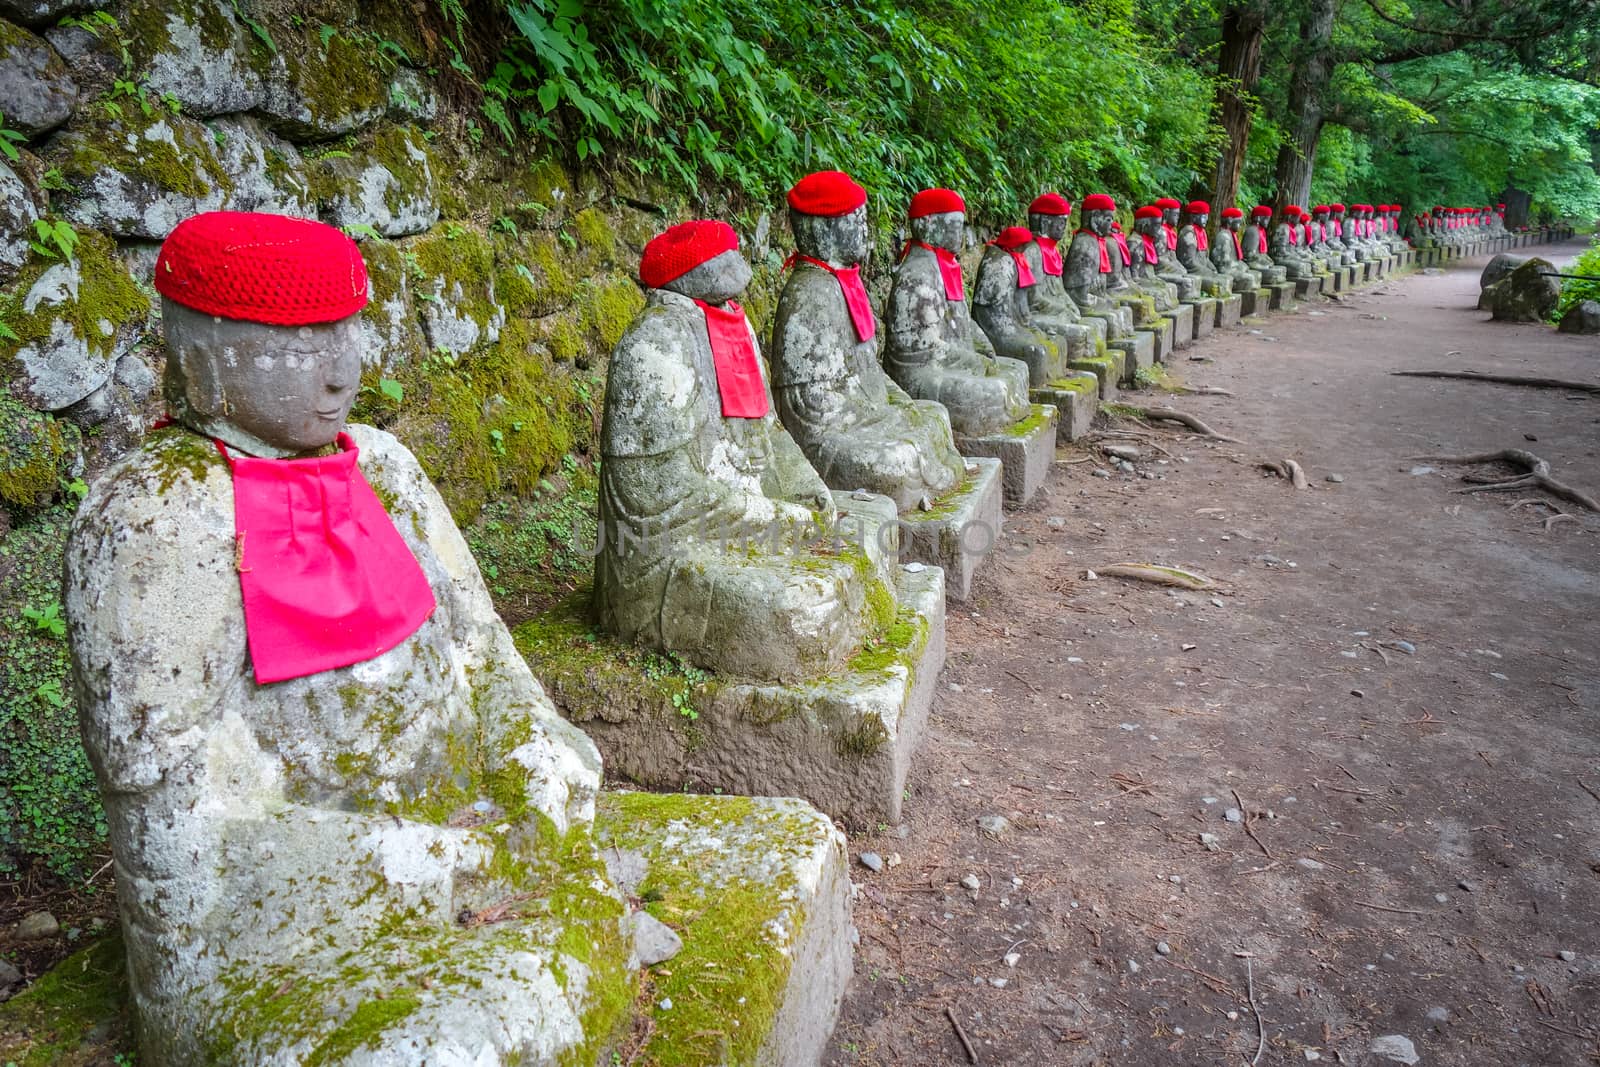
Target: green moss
{"x":1074,"y":385}
{"x":609,"y":309}
{"x":107,"y":300}
{"x":171,"y":153}
{"x":176,"y":453}
{"x":336,"y":79}
{"x":398,"y":148}
{"x":946,"y":506}
{"x":1037,"y":418}
{"x":37,"y":452}
{"x":549,"y":185}
{"x":75,"y":1015}
{"x":596,"y":235}
{"x":555,"y":285}
{"x":362,"y":1029}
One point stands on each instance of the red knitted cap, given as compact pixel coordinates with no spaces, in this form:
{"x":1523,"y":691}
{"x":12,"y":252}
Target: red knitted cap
{"x":1336,"y":207}
{"x":1149,"y":211}
{"x":1166,"y":203}
{"x":1099,"y":202}
{"x":1013,"y":237}
{"x":273,"y":269}
{"x":1319,"y":209}
{"x":684,"y":247}
{"x":1262,"y":211}
{"x":1198,"y":207}
{"x":935,"y":202}
{"x":1232,"y":213}
{"x":1050,"y":204}
{"x":829,"y":193}
{"x":1502,"y":207}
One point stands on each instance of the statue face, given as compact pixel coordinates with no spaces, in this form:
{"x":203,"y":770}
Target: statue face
{"x":1100,"y":222}
{"x":1051,"y":226}
{"x":1198,"y":220}
{"x":716,"y":281}
{"x":842,"y":240}
{"x":1169,"y":216}
{"x":267,"y":390}
{"x":1232,"y":223}
{"x":1147,"y":226}
{"x":943,"y":230}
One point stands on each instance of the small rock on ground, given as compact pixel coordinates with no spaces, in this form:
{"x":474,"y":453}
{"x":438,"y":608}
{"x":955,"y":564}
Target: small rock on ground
{"x":871,"y":861}
{"x":38,"y":926}
{"x":653,"y":940}
{"x":971,"y":883}
{"x":10,"y":979}
{"x":994,"y":825}
{"x":1394,"y":1048}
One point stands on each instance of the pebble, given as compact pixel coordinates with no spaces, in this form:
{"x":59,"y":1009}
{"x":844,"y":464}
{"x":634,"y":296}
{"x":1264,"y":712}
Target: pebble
{"x":1233,"y":1016}
{"x":1211,"y":842}
{"x":10,"y":978}
{"x":998,"y":983}
{"x":1129,"y":726}
{"x":903,"y":831}
{"x":1335,"y":478}
{"x":1442,"y":898}
{"x":1121,"y":451}
{"x":1311,"y":864}
{"x":1099,"y":472}
{"x":653,"y":940}
{"x":1312,"y":1055}
{"x":666,"y":1004}
{"x":1497,"y":674}
{"x":1163,"y":949}
{"x":1055,"y":522}
{"x":1013,"y":958}
{"x":894,"y":859}
{"x":1394,"y":1048}
{"x":871,"y":861}
{"x":1216,"y":602}
{"x":1466,"y":886}
{"x":994,"y":825}
{"x":1233,"y":815}
{"x":1567,"y":955}
{"x":1440,"y":1014}
{"x":37,"y":926}
{"x":1133,"y":967}
{"x":971,"y":883}
{"x":1404,"y":646}
{"x":1175,"y":879}
{"x":915,"y":568}
{"x":1419,"y":471}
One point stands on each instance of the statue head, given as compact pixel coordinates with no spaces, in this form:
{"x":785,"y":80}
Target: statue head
{"x":1197,"y":212}
{"x":1147,"y":220}
{"x":699,"y":259}
{"x":1048,"y":215}
{"x":1261,"y":214}
{"x":259,"y":314}
{"x":1336,"y":211}
{"x":1232,"y":219}
{"x":828,"y":215}
{"x":1170,"y":209}
{"x":1098,"y":211}
{"x":938,"y":218}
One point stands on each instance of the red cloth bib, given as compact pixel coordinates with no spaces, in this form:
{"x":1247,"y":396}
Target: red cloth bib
{"x":855,"y":294}
{"x":1105,"y":256}
{"x":1150,"y":254}
{"x":1049,"y":255}
{"x":733,"y":351}
{"x":1261,"y":239}
{"x":1238,"y":249}
{"x":1172,"y":237}
{"x":327,"y":579}
{"x":1294,"y":234}
{"x":1122,"y":246}
{"x":1202,"y":243}
{"x":1024,"y":272}
{"x":949,"y":269}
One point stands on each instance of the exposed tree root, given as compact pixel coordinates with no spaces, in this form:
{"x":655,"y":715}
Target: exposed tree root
{"x":1537,"y":476}
{"x":1289,"y":469}
{"x":1151,"y":572}
{"x":1204,"y":390}
{"x":1169,"y":415}
{"x":1501,"y":379}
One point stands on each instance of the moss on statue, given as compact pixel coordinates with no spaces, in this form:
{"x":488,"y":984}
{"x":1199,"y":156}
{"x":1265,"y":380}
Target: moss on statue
{"x":75,"y":1015}
{"x":37,"y":452}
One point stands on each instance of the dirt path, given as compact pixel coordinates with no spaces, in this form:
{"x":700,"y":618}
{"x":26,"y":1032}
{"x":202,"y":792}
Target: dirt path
{"x":1419,"y":849}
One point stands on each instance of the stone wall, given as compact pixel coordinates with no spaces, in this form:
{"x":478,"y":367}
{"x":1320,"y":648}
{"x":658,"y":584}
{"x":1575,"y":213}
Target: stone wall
{"x":501,"y":279}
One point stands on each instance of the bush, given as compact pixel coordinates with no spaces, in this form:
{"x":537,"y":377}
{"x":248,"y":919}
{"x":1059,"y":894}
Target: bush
{"x":1577,"y":290}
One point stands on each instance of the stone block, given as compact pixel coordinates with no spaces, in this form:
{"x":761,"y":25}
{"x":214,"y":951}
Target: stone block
{"x":1161,"y":332}
{"x":843,"y":742}
{"x":1254,"y":302}
{"x":1138,"y":353}
{"x":1280,"y":297}
{"x":1182,"y":318}
{"x":1106,"y":368}
{"x":1076,"y":399}
{"x":1205,"y":318}
{"x":1228,"y":310}
{"x":1308,"y":287}
{"x":1025,"y":451}
{"x":959,"y":531}
{"x":759,"y":889}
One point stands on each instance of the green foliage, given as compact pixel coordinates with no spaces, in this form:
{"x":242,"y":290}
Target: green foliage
{"x":1577,"y":290}
{"x":53,"y":239}
{"x":9,"y":139}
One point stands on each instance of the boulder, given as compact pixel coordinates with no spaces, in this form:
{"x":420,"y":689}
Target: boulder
{"x":36,"y":92}
{"x":390,"y":185}
{"x":1497,"y":268}
{"x":18,"y":212}
{"x":1524,"y":295}
{"x":265,"y":171}
{"x":1582,"y":317}
{"x":201,"y":55}
{"x":43,"y":12}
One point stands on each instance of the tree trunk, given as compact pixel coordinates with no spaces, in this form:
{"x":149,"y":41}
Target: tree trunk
{"x":1517,"y":202}
{"x":1313,"y":70}
{"x":1238,"y":70}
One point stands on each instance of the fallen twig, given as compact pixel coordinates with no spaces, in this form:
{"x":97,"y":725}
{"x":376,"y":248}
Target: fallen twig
{"x":1169,"y":415}
{"x":1501,"y":379}
{"x":1204,"y":390}
{"x":1586,"y":789}
{"x":1244,"y":813}
{"x":1261,"y":1027}
{"x":1296,"y":476}
{"x":1153,"y":572}
{"x":966,"y":1042}
{"x":1537,"y":476}
{"x":1385,"y":907}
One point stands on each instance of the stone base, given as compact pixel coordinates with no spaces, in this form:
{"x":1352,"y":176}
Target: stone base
{"x":1076,"y":398}
{"x":1352,"y":275}
{"x":1025,"y":451}
{"x":1161,"y":332}
{"x":1182,"y":318}
{"x":1138,"y":353}
{"x":1280,"y":297}
{"x":759,"y":890}
{"x":1254,"y":302}
{"x":1308,"y":287}
{"x":1339,"y":279}
{"x":939,"y":538}
{"x":844,"y":741}
{"x":1107,"y":369}
{"x":1205,"y":318}
{"x":1229,"y":311}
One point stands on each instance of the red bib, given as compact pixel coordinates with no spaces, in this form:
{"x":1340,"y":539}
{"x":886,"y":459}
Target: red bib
{"x":1238,"y":249}
{"x":1201,"y":241}
{"x":1172,"y":237}
{"x":1150,"y":254}
{"x":1105,"y":256}
{"x":733,"y":351}
{"x":1294,"y":234}
{"x":1261,"y":240}
{"x":1122,"y":246}
{"x":1049,"y":255}
{"x":327,"y":579}
{"x":855,"y":295}
{"x":949,"y":269}
{"x":1024,"y":272}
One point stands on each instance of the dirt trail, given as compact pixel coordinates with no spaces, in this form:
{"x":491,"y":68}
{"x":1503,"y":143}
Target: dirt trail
{"x":1397,"y":684}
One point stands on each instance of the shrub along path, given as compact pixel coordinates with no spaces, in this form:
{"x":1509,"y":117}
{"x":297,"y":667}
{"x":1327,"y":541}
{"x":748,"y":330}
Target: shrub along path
{"x":1393,"y":684}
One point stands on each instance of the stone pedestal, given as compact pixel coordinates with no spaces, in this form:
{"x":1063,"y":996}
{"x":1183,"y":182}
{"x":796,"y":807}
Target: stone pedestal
{"x":1106,"y":368}
{"x":1205,"y":317}
{"x":1308,"y":287}
{"x":1138,"y":353}
{"x":1025,"y":451}
{"x":843,"y":742}
{"x":1280,"y":297}
{"x":1228,"y":310}
{"x":1182,"y":318}
{"x":769,"y":877}
{"x":1254,"y":302}
{"x":1160,"y":331}
{"x":957,"y":534}
{"x":1076,"y":398}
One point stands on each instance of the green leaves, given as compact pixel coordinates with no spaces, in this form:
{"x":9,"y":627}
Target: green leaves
{"x":47,"y":619}
{"x":54,"y":239}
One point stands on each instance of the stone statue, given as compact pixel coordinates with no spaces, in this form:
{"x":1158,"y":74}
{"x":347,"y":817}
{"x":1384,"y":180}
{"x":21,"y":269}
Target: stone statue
{"x":933,"y":350}
{"x":1227,"y":252}
{"x":1091,"y":260}
{"x":1194,"y":249}
{"x":1146,"y":258}
{"x":1256,"y":245}
{"x":316,"y":744}
{"x":1340,"y":235}
{"x":1053,"y":309}
{"x":1287,"y":245}
{"x":1320,"y":232}
{"x":856,"y":426}
{"x":1000,"y":306}
{"x":1168,"y":266}
{"x":706,"y":503}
